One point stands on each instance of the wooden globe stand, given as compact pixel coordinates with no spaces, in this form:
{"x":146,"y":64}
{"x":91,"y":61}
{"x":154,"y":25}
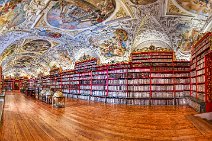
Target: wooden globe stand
{"x":58,"y":102}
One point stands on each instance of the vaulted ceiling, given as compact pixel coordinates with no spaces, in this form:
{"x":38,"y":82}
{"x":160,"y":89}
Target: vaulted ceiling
{"x":36,"y":34}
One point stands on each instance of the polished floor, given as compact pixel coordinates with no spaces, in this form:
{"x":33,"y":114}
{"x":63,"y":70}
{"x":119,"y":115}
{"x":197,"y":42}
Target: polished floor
{"x":26,"y":119}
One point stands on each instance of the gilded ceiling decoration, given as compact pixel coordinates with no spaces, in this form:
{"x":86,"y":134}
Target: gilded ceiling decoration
{"x":143,"y":2}
{"x":34,"y":34}
{"x":152,"y":48}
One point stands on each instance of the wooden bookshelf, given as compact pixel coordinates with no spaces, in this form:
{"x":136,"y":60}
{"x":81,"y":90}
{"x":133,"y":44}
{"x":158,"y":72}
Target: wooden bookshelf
{"x":152,"y":77}
{"x":181,"y":81}
{"x":8,"y":84}
{"x":208,"y":81}
{"x":200,"y":75}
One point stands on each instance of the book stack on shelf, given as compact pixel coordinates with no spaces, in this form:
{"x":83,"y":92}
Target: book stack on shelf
{"x":31,"y":87}
{"x":85,"y":85}
{"x":99,"y":82}
{"x":74,"y":85}
{"x":199,"y":81}
{"x":181,"y":80}
{"x":66,"y":79}
{"x":162,"y":80}
{"x":23,"y":83}
{"x":139,"y":79}
{"x":45,"y":82}
{"x":117,"y":83}
{"x":31,"y":84}
{"x":139,"y":86}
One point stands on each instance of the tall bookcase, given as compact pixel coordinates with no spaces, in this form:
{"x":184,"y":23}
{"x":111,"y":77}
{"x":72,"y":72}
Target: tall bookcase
{"x":181,"y":80}
{"x":208,"y":81}
{"x":117,"y":83}
{"x":99,"y":84}
{"x":163,"y":81}
{"x":200,"y":74}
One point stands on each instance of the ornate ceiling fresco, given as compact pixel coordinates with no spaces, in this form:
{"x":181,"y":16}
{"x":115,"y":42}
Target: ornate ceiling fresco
{"x":114,"y":44}
{"x":201,"y":7}
{"x":36,"y":34}
{"x":72,"y":14}
{"x":38,"y":45}
{"x":12,"y":12}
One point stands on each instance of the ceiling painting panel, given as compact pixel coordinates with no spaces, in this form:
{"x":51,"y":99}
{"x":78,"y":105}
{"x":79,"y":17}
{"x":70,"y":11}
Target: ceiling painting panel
{"x":200,"y":7}
{"x":113,"y":45}
{"x":72,"y":14}
{"x":12,"y":12}
{"x":187,"y":38}
{"x":8,"y":51}
{"x":38,"y":46}
{"x":23,"y":61}
{"x":172,"y":9}
{"x":61,"y":58}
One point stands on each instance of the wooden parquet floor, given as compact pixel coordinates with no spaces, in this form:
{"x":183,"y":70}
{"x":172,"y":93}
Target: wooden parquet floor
{"x":26,"y":119}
